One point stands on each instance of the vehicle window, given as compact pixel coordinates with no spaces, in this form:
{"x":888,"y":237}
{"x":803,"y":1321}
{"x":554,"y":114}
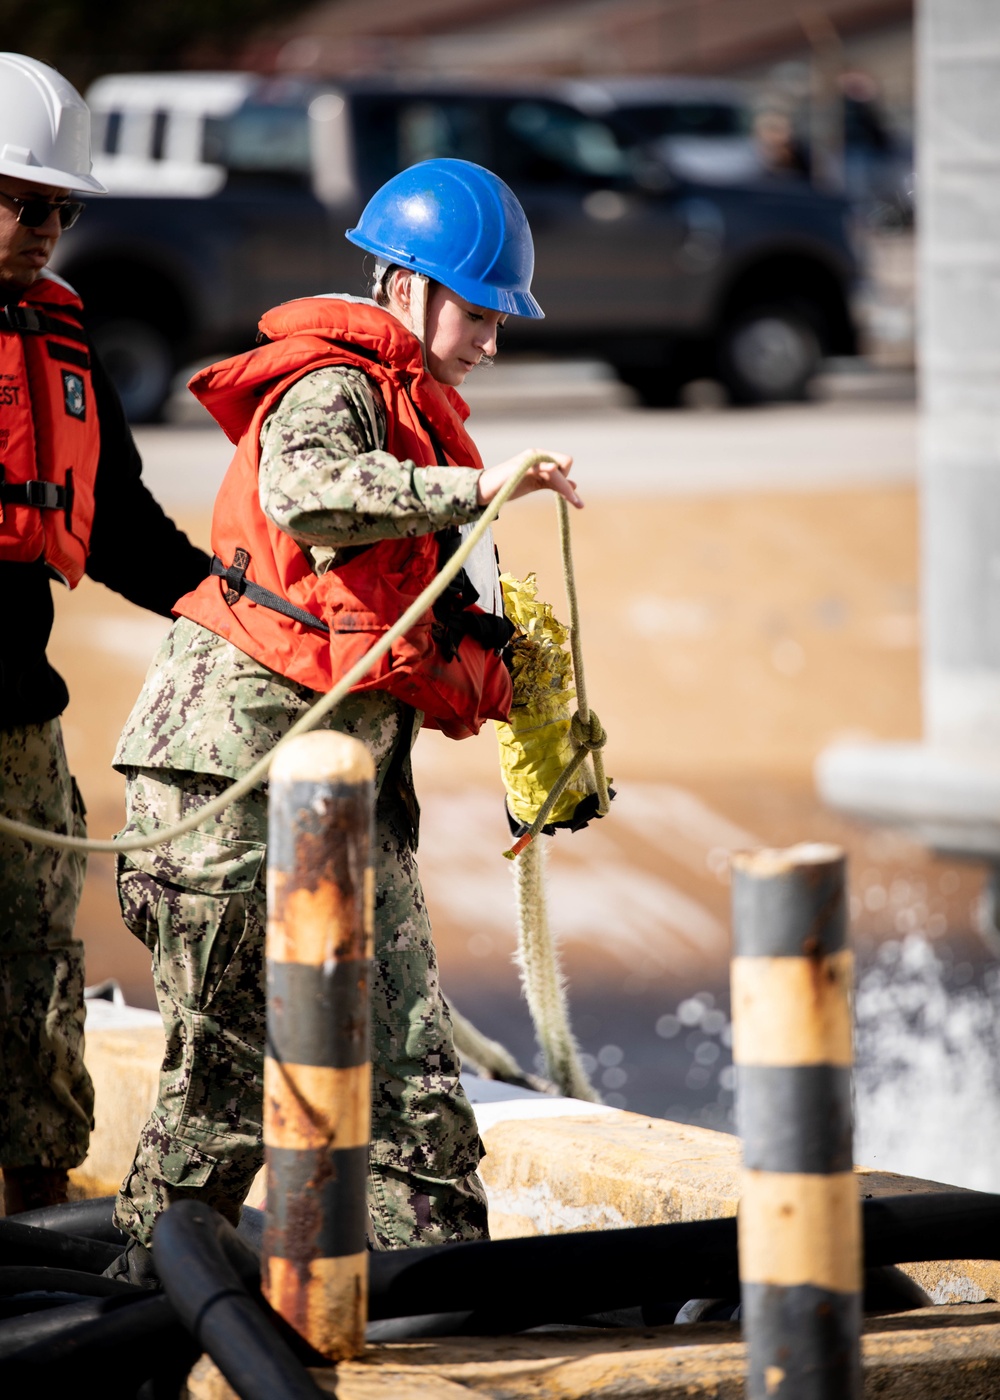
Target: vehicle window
{"x":547,"y":143}
{"x":111,"y":134}
{"x":396,"y":132}
{"x":159,"y":135}
{"x":260,"y":139}
{"x":649,"y":123}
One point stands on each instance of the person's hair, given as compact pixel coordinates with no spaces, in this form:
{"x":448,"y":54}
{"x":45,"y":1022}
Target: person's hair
{"x":380,"y":283}
{"x":381,"y":278}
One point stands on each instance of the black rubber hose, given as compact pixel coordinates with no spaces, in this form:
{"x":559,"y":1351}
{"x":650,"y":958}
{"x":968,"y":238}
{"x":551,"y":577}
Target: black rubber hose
{"x":20,"y":1304}
{"x":27,"y":1244}
{"x":509,"y":1284}
{"x":930,"y":1225}
{"x":90,"y":1220}
{"x":35,"y":1278}
{"x":550,"y":1278}
{"x":888,"y":1289}
{"x":59,"y":1337}
{"x":112,"y":1355}
{"x":60,"y":1331}
{"x":93,"y":1220}
{"x":205,"y":1268}
{"x":208,"y":1270}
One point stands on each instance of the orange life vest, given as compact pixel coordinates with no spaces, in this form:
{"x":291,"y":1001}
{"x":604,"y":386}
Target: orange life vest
{"x":342,"y":612}
{"x":49,"y":434}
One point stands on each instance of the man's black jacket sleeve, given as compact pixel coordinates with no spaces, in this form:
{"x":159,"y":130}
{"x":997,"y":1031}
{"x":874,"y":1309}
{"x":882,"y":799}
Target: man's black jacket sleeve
{"x":135,"y":548}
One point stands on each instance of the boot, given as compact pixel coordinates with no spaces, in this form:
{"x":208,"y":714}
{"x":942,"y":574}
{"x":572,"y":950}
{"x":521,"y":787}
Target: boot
{"x":28,"y":1188}
{"x":134,"y":1265}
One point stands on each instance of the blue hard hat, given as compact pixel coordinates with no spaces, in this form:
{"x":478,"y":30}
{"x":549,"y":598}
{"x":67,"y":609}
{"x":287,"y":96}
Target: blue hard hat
{"x":458,"y":224}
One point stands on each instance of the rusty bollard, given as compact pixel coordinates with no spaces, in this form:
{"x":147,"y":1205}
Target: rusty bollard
{"x":800,"y":1213}
{"x":317,"y":1072}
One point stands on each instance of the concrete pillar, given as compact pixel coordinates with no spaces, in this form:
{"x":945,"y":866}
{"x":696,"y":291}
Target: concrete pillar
{"x":947,"y":790}
{"x":959,"y":277}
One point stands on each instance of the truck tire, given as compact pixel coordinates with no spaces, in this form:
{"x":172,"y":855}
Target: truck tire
{"x":655,"y":386}
{"x":140,"y":361}
{"x":768,"y":354}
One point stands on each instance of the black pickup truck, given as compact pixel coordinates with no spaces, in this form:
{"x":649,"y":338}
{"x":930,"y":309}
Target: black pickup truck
{"x":668,"y":274}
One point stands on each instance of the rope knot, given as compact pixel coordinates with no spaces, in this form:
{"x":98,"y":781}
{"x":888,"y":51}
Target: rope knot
{"x":589,"y":736}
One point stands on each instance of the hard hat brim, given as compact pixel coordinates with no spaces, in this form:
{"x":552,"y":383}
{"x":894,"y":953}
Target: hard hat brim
{"x":48,"y":175}
{"x":506,"y":300}
{"x":510,"y":303}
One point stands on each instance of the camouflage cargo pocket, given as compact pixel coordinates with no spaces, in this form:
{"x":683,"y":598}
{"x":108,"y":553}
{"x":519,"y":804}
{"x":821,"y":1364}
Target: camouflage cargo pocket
{"x":197,"y":902}
{"x":197,"y":861}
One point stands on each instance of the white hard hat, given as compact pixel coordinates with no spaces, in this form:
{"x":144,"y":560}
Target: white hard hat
{"x":44,"y":126}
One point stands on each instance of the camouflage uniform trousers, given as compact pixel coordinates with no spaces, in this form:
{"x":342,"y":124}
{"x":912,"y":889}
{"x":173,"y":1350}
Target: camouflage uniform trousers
{"x":199,"y":905}
{"x":47,"y":1099}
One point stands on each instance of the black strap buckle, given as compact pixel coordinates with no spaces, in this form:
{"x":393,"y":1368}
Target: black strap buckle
{"x":43,"y":495}
{"x":23,"y":318}
{"x":46,"y":495}
{"x":235,"y":575}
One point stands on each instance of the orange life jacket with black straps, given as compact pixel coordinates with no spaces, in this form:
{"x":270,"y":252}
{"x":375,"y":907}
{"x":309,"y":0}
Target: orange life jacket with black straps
{"x":49,"y":434}
{"x":264,"y":596}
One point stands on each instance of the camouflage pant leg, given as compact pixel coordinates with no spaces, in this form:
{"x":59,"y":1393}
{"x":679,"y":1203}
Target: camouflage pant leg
{"x":47,"y":1099}
{"x":197,"y":902}
{"x":423,"y":1185}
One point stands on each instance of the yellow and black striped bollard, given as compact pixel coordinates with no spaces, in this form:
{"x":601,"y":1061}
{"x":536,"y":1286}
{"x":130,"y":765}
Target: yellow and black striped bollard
{"x":317,"y":1071}
{"x":800,"y":1215}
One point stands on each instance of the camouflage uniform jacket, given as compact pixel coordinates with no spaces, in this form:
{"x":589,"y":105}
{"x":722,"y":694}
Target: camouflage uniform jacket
{"x":327,"y":482}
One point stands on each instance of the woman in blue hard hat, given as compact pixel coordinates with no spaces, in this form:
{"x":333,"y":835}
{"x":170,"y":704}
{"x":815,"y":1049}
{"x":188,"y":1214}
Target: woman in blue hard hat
{"x":353,"y":475}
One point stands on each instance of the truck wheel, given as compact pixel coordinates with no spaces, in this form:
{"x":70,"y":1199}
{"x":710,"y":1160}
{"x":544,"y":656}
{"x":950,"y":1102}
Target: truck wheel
{"x":656,"y":387}
{"x":140,"y":362}
{"x":768,"y":354}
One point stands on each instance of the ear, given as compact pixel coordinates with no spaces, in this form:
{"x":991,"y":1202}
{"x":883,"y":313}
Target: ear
{"x":400,"y":288}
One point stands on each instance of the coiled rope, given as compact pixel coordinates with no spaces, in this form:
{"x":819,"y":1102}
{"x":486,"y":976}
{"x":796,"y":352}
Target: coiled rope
{"x":586,"y":730}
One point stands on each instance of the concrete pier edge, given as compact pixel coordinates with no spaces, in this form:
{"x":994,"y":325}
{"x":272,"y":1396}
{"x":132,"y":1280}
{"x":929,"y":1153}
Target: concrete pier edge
{"x":931,"y":1354}
{"x":556,"y":1165}
{"x":947,"y":798}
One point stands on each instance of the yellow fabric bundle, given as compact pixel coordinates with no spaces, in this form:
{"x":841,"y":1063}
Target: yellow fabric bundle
{"x":535,"y":743}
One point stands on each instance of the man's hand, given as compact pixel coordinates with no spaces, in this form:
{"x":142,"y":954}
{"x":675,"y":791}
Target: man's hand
{"x":552,"y":474}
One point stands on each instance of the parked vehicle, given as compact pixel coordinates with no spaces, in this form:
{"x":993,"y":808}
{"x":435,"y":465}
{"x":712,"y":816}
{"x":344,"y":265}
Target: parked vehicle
{"x":149,"y":130}
{"x":666,"y":276}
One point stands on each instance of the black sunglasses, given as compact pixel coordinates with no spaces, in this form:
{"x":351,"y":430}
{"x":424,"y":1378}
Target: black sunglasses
{"x":33,"y":212}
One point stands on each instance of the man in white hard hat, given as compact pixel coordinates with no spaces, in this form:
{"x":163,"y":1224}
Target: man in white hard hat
{"x":71,"y":503}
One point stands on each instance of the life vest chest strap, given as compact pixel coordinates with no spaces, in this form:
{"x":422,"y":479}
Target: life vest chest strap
{"x":27,"y":320}
{"x":43,"y":495}
{"x":241,"y":587}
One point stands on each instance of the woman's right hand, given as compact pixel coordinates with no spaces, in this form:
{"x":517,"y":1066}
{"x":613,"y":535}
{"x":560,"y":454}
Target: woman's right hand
{"x":550,"y":474}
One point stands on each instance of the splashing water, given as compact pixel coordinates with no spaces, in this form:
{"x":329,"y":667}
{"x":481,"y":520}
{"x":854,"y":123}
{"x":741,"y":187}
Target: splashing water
{"x":927,"y":1077}
{"x":927,"y":1064}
